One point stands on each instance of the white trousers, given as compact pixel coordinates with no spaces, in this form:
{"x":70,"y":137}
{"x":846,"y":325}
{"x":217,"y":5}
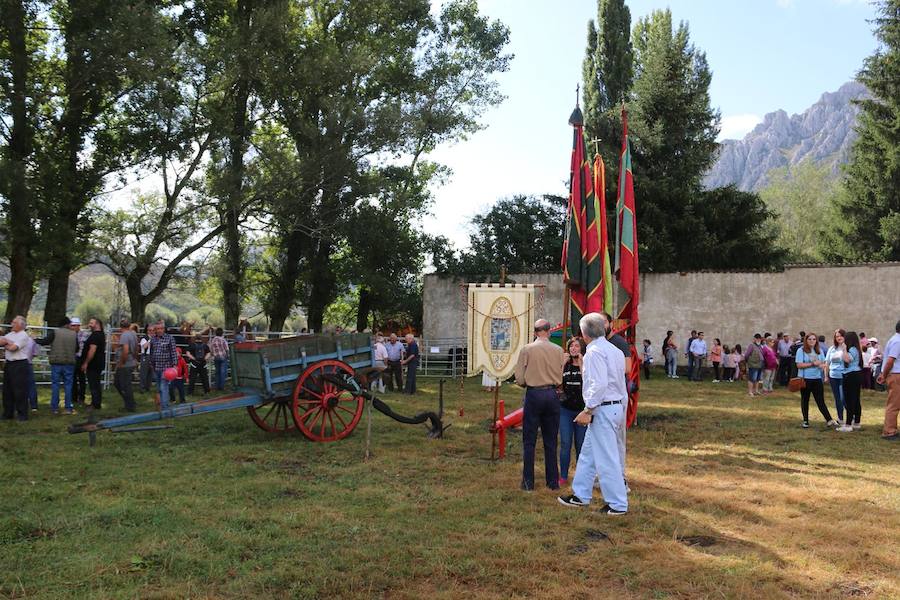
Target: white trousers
{"x":603,"y":454}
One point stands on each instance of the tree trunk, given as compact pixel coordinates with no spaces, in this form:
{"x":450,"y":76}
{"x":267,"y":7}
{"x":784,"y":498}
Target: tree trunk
{"x":20,"y":209}
{"x":232,"y":281}
{"x":57,"y":295}
{"x":322,"y":281}
{"x":365,"y":307}
{"x":136,"y":300}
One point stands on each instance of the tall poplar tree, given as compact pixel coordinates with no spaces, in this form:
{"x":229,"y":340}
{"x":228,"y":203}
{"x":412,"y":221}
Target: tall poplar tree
{"x":866,"y":220}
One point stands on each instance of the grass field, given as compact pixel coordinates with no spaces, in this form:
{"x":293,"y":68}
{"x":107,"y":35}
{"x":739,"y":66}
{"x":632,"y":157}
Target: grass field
{"x":730,"y":499}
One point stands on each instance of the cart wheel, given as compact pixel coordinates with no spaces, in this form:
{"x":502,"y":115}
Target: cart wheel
{"x":322,"y":411}
{"x":273,"y":416}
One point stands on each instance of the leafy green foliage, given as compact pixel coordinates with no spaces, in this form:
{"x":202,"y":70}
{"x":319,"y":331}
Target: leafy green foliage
{"x":92,"y":308}
{"x":801,"y":197}
{"x":522,"y":233}
{"x":866,"y":221}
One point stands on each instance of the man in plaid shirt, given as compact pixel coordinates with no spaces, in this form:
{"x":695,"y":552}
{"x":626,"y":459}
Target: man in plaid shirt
{"x":162,"y":357}
{"x":218,"y":346}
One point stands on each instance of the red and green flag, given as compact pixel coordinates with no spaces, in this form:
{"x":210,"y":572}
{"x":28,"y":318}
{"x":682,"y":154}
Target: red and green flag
{"x":582,"y":268}
{"x":627,"y":266}
{"x":606,"y":284}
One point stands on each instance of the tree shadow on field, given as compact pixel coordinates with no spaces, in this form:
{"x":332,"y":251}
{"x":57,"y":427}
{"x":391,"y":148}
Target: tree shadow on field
{"x":767,"y":433}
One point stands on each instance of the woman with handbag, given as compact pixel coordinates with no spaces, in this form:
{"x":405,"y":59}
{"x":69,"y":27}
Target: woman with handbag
{"x":852,"y":382}
{"x":810,"y":371}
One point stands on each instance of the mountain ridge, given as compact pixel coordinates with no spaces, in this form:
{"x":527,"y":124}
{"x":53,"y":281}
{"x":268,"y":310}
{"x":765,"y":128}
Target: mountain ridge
{"x":824,"y":132}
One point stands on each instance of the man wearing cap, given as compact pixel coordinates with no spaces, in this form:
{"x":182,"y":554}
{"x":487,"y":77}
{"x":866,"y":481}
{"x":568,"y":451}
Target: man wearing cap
{"x":63,"y":346}
{"x":15,"y":371}
{"x":539,"y":370}
{"x":605,"y":399}
{"x":162,"y":356}
{"x":890,"y":375}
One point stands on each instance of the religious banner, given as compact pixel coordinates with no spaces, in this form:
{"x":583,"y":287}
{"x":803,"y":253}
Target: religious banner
{"x":500,"y":322}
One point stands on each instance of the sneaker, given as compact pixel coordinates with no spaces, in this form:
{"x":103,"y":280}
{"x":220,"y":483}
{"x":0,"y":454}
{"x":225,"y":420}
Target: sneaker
{"x":571,"y":500}
{"x":845,"y":428}
{"x":805,"y":425}
{"x":609,"y":510}
{"x":71,"y":411}
{"x":857,"y":426}
{"x":34,"y":410}
{"x":833,"y":423}
{"x":715,"y":381}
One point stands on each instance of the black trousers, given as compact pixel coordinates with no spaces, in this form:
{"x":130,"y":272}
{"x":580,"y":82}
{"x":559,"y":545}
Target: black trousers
{"x":852,"y":403}
{"x":394,"y":373}
{"x":15,"y":389}
{"x":410,"y":378}
{"x":646,"y":366}
{"x":817,"y":389}
{"x":93,"y":380}
{"x":716,"y":369}
{"x":79,"y":384}
{"x":199,"y":374}
{"x":541,"y":410}
{"x":784,"y":369}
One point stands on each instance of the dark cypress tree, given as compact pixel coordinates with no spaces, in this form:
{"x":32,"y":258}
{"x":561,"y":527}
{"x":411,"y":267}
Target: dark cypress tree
{"x":866,"y":220}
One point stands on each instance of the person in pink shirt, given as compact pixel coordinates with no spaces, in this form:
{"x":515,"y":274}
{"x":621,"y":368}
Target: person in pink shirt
{"x":715,"y":357}
{"x":770,"y":359}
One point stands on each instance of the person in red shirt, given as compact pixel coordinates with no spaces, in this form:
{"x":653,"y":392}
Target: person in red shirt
{"x":183,"y":371}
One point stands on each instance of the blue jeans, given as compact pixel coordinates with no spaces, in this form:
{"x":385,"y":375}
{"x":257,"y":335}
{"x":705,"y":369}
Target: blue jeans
{"x":671,"y":363}
{"x":603,"y":455}
{"x":567,"y":432}
{"x":221,"y":372}
{"x":61,"y":374}
{"x":162,"y":384}
{"x":837,"y":390}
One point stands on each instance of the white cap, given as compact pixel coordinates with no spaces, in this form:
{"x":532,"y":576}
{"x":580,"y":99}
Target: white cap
{"x":75,"y":321}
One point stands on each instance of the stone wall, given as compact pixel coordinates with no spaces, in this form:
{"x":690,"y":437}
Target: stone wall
{"x":731,"y":306}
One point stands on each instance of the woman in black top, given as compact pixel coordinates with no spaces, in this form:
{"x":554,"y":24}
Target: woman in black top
{"x":571,"y":403}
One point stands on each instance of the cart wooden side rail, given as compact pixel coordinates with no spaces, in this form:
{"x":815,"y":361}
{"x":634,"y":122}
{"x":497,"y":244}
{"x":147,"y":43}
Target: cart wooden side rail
{"x":284,"y":385}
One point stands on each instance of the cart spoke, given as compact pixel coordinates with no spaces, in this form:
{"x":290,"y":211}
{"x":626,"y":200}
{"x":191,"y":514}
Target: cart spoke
{"x":331,"y":422}
{"x":337,"y":416}
{"x":344,"y":408}
{"x":273,"y":407}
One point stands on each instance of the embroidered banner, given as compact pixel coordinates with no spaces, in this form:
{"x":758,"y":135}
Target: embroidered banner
{"x":500,"y":322}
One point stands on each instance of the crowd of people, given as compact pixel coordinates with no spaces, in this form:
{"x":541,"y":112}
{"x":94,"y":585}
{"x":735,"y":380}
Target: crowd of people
{"x":390,"y":358}
{"x":77,"y":358}
{"x":846,"y":364}
{"x":578,"y":397}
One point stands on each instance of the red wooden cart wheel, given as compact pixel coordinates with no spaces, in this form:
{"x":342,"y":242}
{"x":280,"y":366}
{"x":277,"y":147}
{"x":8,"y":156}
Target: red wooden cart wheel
{"x":274,"y":416}
{"x":323,"y":412}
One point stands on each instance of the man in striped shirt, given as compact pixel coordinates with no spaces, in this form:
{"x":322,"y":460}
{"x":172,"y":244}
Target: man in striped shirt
{"x":218,"y":347}
{"x":162,"y":356}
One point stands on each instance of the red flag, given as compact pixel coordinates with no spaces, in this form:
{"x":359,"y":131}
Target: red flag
{"x":627,"y":265}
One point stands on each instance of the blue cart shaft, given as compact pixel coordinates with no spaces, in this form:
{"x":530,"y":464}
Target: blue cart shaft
{"x":232,"y":401}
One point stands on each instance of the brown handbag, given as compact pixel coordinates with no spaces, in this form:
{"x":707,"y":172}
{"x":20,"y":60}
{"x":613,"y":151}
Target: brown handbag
{"x":796,"y":384}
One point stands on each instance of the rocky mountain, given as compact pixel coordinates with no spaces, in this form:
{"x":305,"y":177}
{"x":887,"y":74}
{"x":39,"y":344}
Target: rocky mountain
{"x":823,"y":132}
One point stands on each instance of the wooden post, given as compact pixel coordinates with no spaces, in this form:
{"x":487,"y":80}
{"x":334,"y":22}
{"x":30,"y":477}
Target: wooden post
{"x":368,"y":428}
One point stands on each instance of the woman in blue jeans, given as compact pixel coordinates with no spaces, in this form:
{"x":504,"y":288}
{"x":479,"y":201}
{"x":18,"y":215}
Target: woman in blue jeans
{"x":834,"y":358}
{"x":571,"y":403}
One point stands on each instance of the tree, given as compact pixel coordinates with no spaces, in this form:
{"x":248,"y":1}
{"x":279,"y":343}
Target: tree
{"x":522,"y":233}
{"x":866,"y":221}
{"x":801,"y":197}
{"x":103,"y":78}
{"x":608,"y":70}
{"x":147,"y":244}
{"x":390,"y":80}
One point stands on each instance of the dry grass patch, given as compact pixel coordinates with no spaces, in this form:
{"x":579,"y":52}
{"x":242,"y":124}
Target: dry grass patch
{"x":731,"y":499}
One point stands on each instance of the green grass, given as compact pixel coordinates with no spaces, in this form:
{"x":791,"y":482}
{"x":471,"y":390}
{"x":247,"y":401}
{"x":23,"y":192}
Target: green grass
{"x":730,"y":498}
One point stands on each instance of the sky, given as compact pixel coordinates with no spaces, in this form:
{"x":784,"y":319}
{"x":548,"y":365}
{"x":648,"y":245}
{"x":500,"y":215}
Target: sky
{"x":765,"y":55}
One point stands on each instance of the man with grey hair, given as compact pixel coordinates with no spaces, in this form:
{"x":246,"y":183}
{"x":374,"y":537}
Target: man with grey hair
{"x":539,"y":370}
{"x":15,"y":371}
{"x":605,"y":398}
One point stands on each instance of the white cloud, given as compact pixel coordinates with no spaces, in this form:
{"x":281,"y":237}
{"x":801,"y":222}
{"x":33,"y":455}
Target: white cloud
{"x":735,"y":127}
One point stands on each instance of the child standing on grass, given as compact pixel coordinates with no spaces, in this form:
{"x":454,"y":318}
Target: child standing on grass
{"x":648,"y":359}
{"x":183,"y":371}
{"x":740,"y":365}
{"x":727,"y":364}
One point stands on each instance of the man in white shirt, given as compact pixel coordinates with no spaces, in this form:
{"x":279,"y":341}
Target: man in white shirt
{"x":15,"y":372}
{"x":698,"y":351}
{"x":380,"y":357}
{"x":605,"y":400}
{"x":890,"y":375}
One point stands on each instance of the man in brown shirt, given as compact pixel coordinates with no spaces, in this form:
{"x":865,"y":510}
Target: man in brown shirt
{"x":539,"y":371}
